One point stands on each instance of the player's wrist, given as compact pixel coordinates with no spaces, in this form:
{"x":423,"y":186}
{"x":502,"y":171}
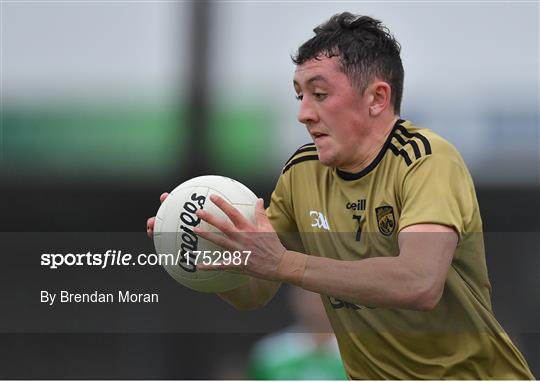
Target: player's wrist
{"x":291,"y":267}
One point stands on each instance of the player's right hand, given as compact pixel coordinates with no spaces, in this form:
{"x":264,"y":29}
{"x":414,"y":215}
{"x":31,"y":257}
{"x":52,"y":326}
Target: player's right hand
{"x":151,"y":221}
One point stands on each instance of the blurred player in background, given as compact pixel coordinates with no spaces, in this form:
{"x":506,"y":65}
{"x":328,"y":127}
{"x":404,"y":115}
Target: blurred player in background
{"x":305,"y":350}
{"x":387,"y":224}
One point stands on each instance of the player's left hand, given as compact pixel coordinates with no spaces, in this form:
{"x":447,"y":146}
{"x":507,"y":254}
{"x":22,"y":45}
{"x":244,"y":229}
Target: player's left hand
{"x":240,"y":234}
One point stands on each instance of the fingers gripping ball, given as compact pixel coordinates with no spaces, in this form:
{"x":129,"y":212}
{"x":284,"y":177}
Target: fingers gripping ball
{"x":173,"y":231}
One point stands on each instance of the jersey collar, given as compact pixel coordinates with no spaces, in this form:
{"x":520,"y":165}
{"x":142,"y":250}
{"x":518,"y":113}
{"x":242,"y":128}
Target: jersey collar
{"x":357,"y":175}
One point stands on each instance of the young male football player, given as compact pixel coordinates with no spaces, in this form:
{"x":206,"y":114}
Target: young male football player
{"x":386,"y":220}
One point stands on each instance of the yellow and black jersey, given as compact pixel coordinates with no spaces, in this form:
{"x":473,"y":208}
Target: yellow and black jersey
{"x":416,"y":178}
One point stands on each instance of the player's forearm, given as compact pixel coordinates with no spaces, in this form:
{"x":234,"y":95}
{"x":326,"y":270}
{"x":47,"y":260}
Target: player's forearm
{"x":254,"y":294}
{"x":378,"y":282}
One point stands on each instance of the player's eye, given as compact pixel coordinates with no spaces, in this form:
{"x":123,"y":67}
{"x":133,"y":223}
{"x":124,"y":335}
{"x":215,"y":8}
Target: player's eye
{"x":299,"y":97}
{"x":319,"y":96}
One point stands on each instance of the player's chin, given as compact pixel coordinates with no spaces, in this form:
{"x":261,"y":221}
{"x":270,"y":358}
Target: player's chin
{"x":327,"y":158}
{"x":327,"y":150}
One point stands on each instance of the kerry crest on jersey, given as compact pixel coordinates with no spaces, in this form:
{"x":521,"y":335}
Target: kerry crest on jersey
{"x":385,"y":219}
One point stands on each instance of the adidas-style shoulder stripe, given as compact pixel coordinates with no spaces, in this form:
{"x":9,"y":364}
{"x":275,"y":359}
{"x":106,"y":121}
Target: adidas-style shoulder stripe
{"x":304,"y":153}
{"x":410,"y":146}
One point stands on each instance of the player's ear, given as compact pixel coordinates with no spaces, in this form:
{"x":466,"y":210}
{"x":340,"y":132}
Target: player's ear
{"x":380,"y":97}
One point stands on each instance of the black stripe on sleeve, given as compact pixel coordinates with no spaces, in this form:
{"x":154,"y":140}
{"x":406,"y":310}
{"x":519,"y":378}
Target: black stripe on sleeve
{"x":305,"y":148}
{"x":424,"y":140}
{"x":299,"y":160}
{"x":411,"y":142}
{"x":401,"y":152}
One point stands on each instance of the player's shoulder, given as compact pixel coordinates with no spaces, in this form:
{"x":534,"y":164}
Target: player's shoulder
{"x":305,"y":153}
{"x":412,"y":143}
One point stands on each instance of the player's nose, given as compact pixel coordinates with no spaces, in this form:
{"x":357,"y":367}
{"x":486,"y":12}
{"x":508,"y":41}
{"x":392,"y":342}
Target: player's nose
{"x":306,"y":114}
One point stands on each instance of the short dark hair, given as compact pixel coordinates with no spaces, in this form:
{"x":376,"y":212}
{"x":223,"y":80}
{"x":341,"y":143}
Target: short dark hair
{"x":365,"y":47}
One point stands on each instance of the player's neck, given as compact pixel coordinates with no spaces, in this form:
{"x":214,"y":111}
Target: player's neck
{"x":373,"y":145}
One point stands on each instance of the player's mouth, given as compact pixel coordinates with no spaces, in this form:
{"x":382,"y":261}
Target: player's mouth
{"x":318,"y":137}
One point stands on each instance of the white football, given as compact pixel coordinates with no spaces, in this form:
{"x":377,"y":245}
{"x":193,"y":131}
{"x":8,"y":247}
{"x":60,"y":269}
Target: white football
{"x":173,"y":230}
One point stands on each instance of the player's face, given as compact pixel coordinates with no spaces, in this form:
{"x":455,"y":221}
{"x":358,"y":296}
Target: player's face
{"x":334,"y":113}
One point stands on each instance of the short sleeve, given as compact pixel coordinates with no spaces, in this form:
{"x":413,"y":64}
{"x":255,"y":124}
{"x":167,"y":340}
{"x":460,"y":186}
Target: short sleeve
{"x":281,"y":214}
{"x":280,"y":210}
{"x":437,"y":189}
